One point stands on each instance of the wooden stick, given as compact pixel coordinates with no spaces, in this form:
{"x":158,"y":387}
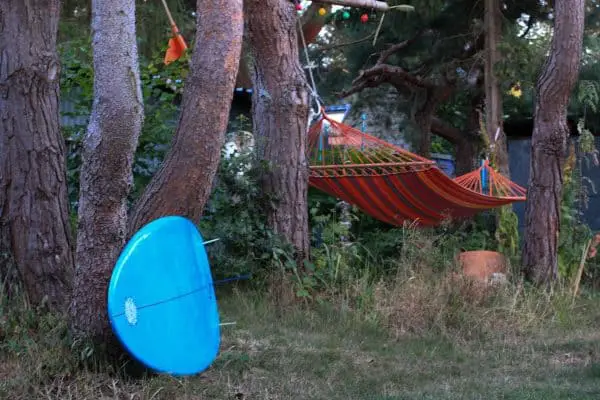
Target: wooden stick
{"x":374,"y":4}
{"x":586,"y":248}
{"x":378,"y":29}
{"x":171,"y":20}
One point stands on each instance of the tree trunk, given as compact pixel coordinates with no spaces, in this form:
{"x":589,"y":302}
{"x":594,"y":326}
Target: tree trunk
{"x":469,"y":147}
{"x":183,"y":183}
{"x":106,"y":170}
{"x":466,"y":144}
{"x":423,"y":118}
{"x":466,"y":155}
{"x":431,"y":98}
{"x":280,"y":113}
{"x":34,"y":211}
{"x":493,"y":96}
{"x":549,"y":143}
{"x":312,"y":24}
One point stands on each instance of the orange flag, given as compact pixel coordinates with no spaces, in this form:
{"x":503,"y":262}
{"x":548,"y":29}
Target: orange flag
{"x":177,"y":46}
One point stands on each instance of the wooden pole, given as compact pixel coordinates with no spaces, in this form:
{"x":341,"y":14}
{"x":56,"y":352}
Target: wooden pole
{"x":493,"y":96}
{"x":586,"y":249}
{"x":171,"y":20}
{"x":374,"y":4}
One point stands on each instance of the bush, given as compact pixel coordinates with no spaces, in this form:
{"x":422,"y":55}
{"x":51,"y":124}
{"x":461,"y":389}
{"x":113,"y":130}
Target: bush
{"x":236,"y":214}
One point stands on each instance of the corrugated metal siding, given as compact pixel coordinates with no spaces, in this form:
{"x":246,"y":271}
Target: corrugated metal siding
{"x":519,"y":154}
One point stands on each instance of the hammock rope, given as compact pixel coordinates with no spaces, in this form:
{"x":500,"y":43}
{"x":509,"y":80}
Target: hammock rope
{"x":395,"y":185}
{"x":497,"y":185}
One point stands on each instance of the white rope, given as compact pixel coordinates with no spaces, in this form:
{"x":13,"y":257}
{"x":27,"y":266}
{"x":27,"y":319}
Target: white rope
{"x":309,"y":66}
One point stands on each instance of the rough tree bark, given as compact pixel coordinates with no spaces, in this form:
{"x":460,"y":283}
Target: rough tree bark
{"x":493,"y":96}
{"x":312,"y":23}
{"x":183,"y":183}
{"x":549,"y":143}
{"x":106,"y":172}
{"x":423,"y":117}
{"x":280,"y":114}
{"x":34,"y":212}
{"x":425,"y":113}
{"x":469,"y":147}
{"x":466,"y":154}
{"x":466,"y":143}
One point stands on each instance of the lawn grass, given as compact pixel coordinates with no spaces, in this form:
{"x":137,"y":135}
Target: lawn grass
{"x":324,"y":352}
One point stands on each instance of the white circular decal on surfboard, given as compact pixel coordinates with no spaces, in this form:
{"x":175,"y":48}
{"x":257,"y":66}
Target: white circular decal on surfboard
{"x":130,"y":311}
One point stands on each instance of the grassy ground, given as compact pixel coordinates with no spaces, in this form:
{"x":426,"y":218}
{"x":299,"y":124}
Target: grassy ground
{"x":329,"y":356}
{"x":329,"y":352}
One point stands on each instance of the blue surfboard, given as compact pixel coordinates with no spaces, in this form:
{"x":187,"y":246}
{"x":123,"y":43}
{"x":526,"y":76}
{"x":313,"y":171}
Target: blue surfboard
{"x":161,"y":299}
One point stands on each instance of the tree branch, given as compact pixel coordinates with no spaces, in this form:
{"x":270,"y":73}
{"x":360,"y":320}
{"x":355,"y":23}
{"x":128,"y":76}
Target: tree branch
{"x":374,"y":4}
{"x":445,"y":130}
{"x":336,"y":46}
{"x":359,"y":87}
{"x":530,"y":22}
{"x":383,"y":73}
{"x":397,"y":75}
{"x":400,"y":46}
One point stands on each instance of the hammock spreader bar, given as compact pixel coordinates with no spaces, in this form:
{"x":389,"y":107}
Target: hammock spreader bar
{"x":394,"y":185}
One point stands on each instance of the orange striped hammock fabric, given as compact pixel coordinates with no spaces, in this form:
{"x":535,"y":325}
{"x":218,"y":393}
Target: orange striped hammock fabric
{"x":394,"y":185}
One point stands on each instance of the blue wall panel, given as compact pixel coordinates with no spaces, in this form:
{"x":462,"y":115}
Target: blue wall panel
{"x":519,"y":154}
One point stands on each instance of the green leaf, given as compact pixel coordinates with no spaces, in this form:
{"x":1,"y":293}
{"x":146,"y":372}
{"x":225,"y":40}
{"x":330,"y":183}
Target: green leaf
{"x":309,"y":265}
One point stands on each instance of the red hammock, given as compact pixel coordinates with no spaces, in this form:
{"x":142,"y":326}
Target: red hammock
{"x":394,"y":185}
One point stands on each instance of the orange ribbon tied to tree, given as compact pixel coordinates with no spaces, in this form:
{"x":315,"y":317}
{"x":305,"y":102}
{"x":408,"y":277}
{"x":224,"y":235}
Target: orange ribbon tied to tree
{"x":177,"y":44}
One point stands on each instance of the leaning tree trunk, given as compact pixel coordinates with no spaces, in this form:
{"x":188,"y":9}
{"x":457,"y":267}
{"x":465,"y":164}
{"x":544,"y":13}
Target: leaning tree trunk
{"x":466,"y":154}
{"x":549,"y":143}
{"x":183,"y":183}
{"x":106,"y":171}
{"x":469,"y":147}
{"x":423,"y":118}
{"x":432,"y":97}
{"x":465,"y":144}
{"x":493,"y":96}
{"x":280,"y":114}
{"x":34,"y":212}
